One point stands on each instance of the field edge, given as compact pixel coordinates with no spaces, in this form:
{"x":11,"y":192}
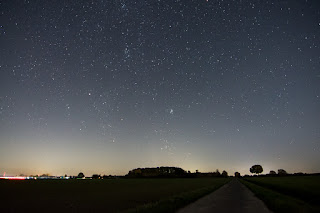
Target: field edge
{"x":174,"y":203}
{"x":278,"y":202}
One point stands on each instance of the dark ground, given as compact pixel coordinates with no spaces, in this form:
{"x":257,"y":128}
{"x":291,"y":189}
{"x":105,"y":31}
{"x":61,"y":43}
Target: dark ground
{"x":111,"y":195}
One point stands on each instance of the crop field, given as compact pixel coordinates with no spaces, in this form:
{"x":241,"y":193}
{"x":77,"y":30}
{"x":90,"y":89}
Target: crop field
{"x":111,"y":195}
{"x":294,"y":193}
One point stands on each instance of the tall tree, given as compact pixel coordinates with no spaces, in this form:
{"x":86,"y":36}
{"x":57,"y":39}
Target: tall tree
{"x":237,"y":174}
{"x":224,"y":173}
{"x":80,"y":175}
{"x":282,"y":172}
{"x":256,"y":169}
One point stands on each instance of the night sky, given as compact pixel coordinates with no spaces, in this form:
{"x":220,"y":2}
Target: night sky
{"x":107,"y":86}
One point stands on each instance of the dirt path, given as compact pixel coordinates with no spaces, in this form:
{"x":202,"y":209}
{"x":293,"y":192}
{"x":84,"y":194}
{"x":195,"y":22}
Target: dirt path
{"x":232,"y":197}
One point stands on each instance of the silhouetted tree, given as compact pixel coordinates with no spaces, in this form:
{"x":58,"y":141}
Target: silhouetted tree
{"x":178,"y":171}
{"x":256,"y":169}
{"x":237,"y":174}
{"x":80,"y":175}
{"x":282,"y":172}
{"x":272,"y":173}
{"x":299,"y":174}
{"x":96,"y":176}
{"x":224,"y":173}
{"x":217,"y":173}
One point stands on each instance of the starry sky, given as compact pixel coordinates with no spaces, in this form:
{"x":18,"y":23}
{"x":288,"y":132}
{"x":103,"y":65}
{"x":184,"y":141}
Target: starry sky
{"x":105,"y":86}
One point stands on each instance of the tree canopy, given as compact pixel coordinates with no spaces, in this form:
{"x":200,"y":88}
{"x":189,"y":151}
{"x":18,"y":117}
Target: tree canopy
{"x":272,"y":172}
{"x":237,"y":174}
{"x":256,"y":169}
{"x":157,"y":172}
{"x":80,"y":175}
{"x":282,"y":172}
{"x":224,"y":174}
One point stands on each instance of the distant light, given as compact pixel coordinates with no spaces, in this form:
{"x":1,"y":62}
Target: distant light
{"x":13,"y":178}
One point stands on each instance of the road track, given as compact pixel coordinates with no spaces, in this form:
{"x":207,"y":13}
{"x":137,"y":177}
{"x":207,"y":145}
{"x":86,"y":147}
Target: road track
{"x":232,"y":197}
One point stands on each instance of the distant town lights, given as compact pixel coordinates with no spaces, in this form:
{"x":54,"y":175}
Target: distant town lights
{"x":13,"y":178}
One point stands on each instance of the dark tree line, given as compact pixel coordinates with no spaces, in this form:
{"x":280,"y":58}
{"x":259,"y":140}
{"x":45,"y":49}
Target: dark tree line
{"x":157,"y":172}
{"x":171,"y":172}
{"x":281,"y":172}
{"x":257,"y":169}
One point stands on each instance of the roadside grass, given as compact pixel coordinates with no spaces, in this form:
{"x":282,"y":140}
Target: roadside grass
{"x":278,"y":202}
{"x":176,"y":202}
{"x":112,"y":195}
{"x":306,"y":188}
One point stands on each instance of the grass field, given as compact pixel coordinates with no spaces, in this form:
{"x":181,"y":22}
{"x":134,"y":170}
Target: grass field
{"x":112,"y":195}
{"x":287,"y":194}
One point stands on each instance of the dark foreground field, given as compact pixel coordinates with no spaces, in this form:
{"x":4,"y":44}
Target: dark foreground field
{"x":287,"y":194}
{"x":112,"y":195}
